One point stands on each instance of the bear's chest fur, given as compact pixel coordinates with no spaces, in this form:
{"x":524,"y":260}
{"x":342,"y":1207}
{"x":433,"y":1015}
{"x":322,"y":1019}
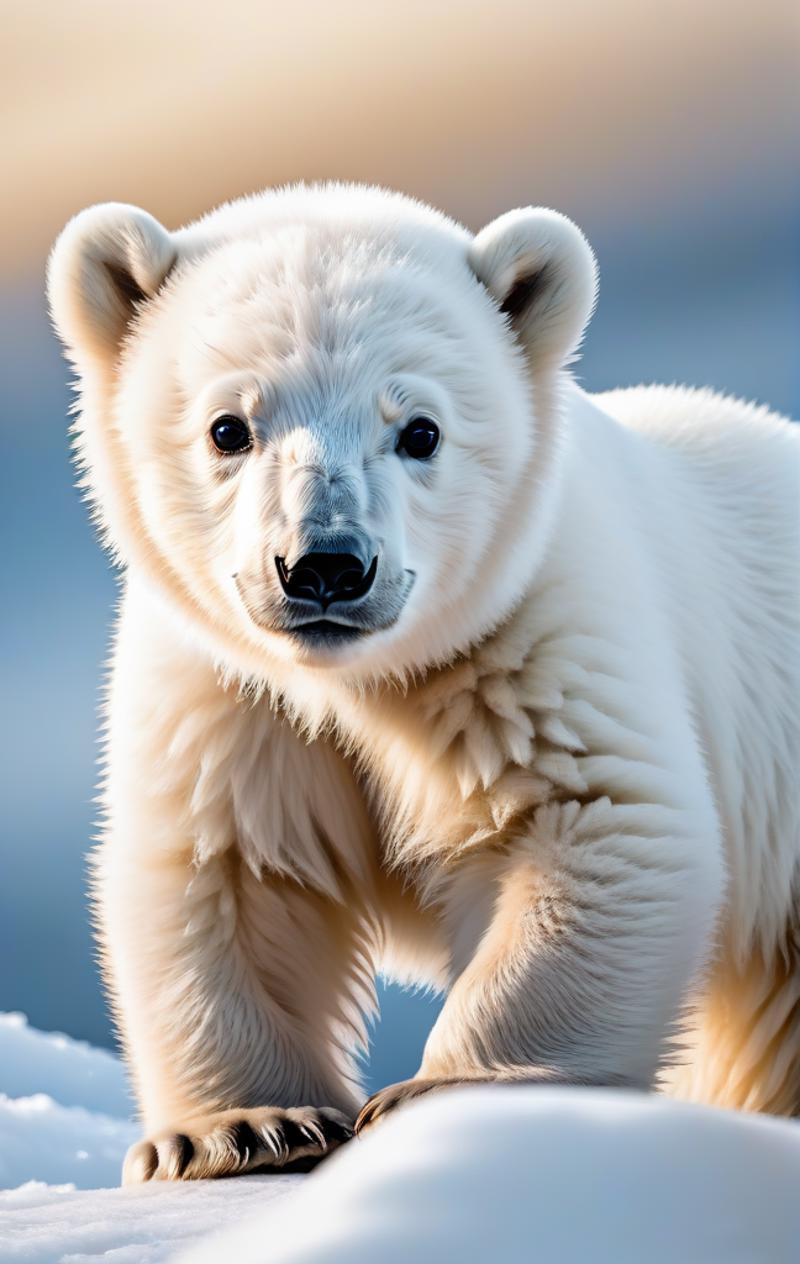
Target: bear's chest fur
{"x":458,"y":759}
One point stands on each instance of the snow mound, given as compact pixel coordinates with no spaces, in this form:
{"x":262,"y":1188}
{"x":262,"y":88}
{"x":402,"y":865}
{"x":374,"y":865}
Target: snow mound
{"x":64,"y":1109}
{"x":45,"y":1224}
{"x":525,"y":1174}
{"x":492,"y":1173}
{"x":42,"y":1140}
{"x":71,"y":1071}
{"x":64,"y":1122}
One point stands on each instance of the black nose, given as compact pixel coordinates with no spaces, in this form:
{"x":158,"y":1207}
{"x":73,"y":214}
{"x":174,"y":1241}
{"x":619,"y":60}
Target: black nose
{"x":326,"y":577}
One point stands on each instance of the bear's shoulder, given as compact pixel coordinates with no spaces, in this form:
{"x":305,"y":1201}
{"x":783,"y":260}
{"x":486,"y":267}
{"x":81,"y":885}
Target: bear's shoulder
{"x":686,"y":416}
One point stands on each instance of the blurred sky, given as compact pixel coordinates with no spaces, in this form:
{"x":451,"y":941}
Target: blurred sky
{"x":670,"y":133}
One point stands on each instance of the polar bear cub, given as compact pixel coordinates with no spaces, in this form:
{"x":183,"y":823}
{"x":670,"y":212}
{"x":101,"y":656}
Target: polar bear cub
{"x":427,"y":661}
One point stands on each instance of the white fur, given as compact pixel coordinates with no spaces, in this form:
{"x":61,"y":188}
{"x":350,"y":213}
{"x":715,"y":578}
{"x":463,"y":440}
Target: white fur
{"x":562,"y":785}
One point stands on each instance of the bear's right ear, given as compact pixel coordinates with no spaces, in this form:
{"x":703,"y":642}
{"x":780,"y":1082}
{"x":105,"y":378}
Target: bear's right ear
{"x":107,"y":262}
{"x":541,"y":271}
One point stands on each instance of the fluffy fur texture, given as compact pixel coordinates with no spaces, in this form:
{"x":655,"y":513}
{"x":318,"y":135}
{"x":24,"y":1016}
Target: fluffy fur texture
{"x":552,"y":771}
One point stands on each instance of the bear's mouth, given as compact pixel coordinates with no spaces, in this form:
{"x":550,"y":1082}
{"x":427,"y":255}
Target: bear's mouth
{"x":326,"y":632}
{"x":314,"y":630}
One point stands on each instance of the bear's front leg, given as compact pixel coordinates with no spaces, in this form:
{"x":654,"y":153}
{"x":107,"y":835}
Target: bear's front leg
{"x":574,"y":947}
{"x":233,"y":892}
{"x":227,"y":987}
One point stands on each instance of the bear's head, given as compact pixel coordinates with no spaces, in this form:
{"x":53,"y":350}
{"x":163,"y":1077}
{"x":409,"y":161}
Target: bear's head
{"x":323,"y":422}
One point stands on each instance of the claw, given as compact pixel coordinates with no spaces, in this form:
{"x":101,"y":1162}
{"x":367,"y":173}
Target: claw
{"x":141,"y":1163}
{"x":394,"y":1095}
{"x":313,"y":1132}
{"x":180,"y":1152}
{"x":339,"y":1132}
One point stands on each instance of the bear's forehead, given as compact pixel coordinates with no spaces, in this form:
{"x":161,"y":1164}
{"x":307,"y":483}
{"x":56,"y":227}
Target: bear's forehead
{"x":347,"y":299}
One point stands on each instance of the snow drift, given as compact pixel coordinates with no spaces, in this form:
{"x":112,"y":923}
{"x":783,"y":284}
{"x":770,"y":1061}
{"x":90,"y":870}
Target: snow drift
{"x":52,"y":1224}
{"x":64,"y":1109}
{"x":482,"y":1174}
{"x":526,"y":1174}
{"x":71,"y":1071}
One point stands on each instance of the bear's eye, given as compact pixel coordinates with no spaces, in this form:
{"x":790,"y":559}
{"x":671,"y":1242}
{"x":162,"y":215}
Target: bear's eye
{"x":230,"y":434}
{"x":419,"y":439}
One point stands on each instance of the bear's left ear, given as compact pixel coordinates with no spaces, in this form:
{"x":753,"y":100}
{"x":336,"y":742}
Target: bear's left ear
{"x":108,"y":261}
{"x":541,"y":270}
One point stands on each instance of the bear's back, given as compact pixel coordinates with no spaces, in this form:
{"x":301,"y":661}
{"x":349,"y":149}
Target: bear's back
{"x":730,"y":557}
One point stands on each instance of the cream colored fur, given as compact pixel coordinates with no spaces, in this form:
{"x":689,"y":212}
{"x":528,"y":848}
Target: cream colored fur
{"x":561,"y":786}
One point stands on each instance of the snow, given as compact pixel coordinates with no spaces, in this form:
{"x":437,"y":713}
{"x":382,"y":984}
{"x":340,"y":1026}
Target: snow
{"x":64,"y":1109}
{"x":44,"y":1141}
{"x":529,"y":1174}
{"x":52,"y":1224}
{"x":64,"y":1128}
{"x":71,"y":1071}
{"x":481,"y":1174}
